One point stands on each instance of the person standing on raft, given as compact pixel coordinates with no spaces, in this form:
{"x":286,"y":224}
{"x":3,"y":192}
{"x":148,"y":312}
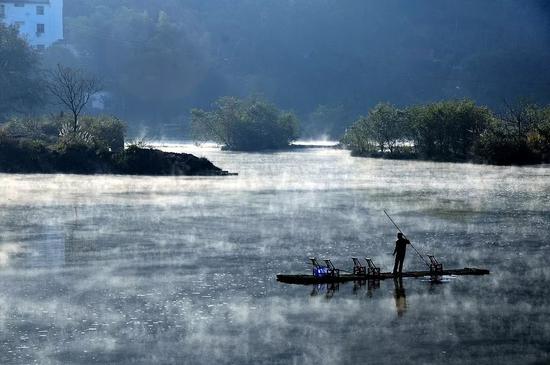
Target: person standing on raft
{"x":399,"y":252}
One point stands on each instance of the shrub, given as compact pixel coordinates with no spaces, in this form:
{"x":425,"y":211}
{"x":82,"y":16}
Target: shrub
{"x":100,"y":133}
{"x":246,"y":125}
{"x":106,"y":132}
{"x":36,"y":129}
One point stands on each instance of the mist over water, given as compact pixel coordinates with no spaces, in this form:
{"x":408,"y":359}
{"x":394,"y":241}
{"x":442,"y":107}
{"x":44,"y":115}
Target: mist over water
{"x":140,"y":270}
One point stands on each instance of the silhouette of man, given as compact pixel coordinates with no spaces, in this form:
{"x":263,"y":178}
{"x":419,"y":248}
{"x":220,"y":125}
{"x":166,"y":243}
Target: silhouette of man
{"x":399,"y":252}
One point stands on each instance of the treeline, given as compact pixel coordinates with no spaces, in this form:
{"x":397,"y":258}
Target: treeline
{"x":454,"y":130}
{"x":161,"y":58}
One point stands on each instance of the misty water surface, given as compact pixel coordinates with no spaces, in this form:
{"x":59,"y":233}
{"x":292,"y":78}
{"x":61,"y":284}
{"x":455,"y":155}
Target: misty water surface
{"x":141,"y":270}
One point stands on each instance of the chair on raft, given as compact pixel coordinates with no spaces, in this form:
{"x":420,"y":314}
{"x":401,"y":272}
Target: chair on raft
{"x":373,"y":271}
{"x":358,"y":268}
{"x":315,"y":263}
{"x":333,"y":271}
{"x":318,"y":269}
{"x":435,"y":266}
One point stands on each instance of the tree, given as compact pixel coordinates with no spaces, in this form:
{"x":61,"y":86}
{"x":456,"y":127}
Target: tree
{"x":380,"y":131}
{"x":73,"y":89}
{"x":152,"y":63}
{"x":448,"y":130}
{"x":20,"y":85}
{"x":107,"y":133}
{"x":358,"y":138}
{"x":246,"y":125}
{"x":520,"y":136}
{"x":388,"y":126}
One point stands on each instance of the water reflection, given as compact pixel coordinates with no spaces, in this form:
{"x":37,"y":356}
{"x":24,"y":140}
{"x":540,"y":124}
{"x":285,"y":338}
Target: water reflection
{"x":372,"y":285}
{"x":359,"y":285}
{"x":182,"y":270}
{"x":328,"y":290}
{"x":400,"y":296}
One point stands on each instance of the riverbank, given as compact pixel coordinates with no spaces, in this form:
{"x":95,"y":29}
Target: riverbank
{"x":28,"y":157}
{"x":454,"y":131}
{"x":518,"y":160}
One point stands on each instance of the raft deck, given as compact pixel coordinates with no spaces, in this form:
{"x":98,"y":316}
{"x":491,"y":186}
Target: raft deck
{"x":310,"y":279}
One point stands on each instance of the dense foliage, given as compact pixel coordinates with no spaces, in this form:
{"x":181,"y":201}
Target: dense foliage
{"x":160,"y":58}
{"x":150,"y":61}
{"x":102,"y":133}
{"x":21,"y":89}
{"x":246,"y":125}
{"x":384,"y":129}
{"x":97,"y":146}
{"x":51,"y":144}
{"x":455,"y":130}
{"x":447,"y":130}
{"x":521,"y":135}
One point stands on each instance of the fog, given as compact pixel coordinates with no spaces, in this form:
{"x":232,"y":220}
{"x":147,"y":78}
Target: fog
{"x":180,"y":269}
{"x":159,"y":59}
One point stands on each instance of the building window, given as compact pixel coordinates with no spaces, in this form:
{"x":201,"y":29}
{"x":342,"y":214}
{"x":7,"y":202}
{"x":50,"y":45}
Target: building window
{"x":40,"y":47}
{"x":40,"y":10}
{"x":18,"y":25}
{"x":2,"y":11}
{"x":39,"y":28}
{"x":19,"y":5}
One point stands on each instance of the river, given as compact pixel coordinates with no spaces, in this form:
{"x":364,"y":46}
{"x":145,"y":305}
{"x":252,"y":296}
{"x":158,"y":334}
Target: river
{"x":181,"y":270}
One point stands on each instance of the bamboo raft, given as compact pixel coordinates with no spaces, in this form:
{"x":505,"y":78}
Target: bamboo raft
{"x":311,"y":279}
{"x":329,"y":274}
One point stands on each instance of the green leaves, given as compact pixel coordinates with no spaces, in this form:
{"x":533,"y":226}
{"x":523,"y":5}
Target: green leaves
{"x":384,"y":130}
{"x":448,"y":130}
{"x":247,"y":125}
{"x":445,"y":130}
{"x":20,"y":86}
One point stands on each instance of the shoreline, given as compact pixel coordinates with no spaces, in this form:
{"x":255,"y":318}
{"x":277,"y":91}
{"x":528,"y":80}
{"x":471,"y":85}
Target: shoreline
{"x":133,"y":161}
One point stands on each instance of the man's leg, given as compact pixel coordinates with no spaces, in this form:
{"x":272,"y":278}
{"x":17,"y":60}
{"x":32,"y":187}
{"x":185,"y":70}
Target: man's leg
{"x":396,"y":264}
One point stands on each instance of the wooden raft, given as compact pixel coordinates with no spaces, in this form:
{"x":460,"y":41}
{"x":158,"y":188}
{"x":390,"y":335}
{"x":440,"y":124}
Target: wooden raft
{"x":311,"y":279}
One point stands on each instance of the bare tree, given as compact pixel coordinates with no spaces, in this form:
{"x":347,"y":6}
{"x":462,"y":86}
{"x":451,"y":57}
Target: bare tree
{"x":72,"y":88}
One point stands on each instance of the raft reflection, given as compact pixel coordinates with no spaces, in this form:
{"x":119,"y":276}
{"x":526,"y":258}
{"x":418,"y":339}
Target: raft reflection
{"x":327,"y":289}
{"x":368,"y":287}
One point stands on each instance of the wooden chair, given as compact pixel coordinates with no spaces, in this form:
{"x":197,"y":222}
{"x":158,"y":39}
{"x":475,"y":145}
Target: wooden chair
{"x":318,"y":269}
{"x":435,"y":266}
{"x":314,"y":262}
{"x":358,"y":268}
{"x":373,"y":271}
{"x":331,"y":269}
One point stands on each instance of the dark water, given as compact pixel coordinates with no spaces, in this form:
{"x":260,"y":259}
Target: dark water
{"x":141,"y":270}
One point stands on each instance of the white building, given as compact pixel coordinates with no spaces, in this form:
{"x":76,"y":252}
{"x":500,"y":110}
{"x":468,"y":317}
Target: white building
{"x":39,"y":21}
